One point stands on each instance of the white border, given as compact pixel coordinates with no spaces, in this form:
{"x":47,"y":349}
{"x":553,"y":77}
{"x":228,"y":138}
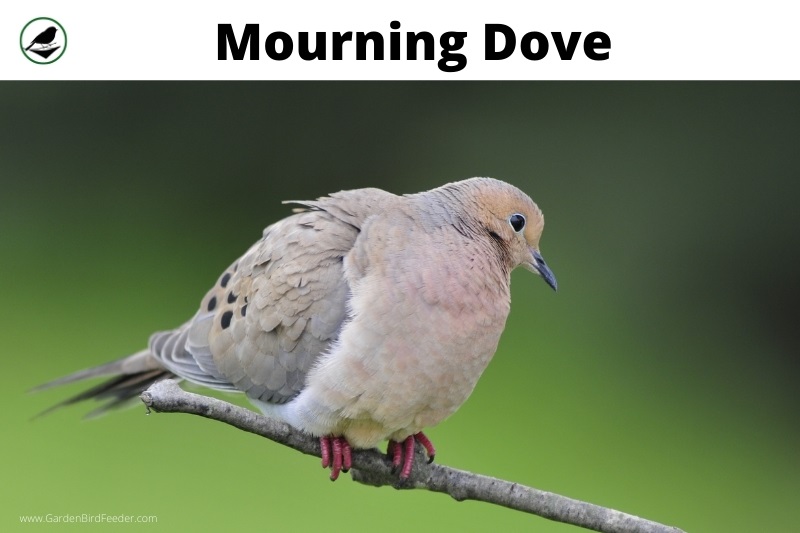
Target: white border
{"x":149,"y":40}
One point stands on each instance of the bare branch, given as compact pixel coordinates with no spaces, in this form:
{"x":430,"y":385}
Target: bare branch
{"x":371,"y":467}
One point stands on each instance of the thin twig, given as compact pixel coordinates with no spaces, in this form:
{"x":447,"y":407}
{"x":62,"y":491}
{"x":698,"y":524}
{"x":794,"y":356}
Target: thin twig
{"x":371,"y":467}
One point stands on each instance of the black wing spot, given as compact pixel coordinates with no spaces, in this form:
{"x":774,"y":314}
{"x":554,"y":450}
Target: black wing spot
{"x":225,"y":279}
{"x":232,"y":297}
{"x":244,"y":310}
{"x":212,"y":303}
{"x":226,"y":319}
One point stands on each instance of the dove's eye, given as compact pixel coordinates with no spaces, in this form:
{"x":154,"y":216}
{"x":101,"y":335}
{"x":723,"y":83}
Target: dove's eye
{"x":517,"y":222}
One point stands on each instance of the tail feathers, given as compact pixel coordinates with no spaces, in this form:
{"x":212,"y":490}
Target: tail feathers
{"x":132,"y":376}
{"x":131,"y":364}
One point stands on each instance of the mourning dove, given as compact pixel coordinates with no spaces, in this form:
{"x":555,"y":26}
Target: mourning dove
{"x":362,"y":317}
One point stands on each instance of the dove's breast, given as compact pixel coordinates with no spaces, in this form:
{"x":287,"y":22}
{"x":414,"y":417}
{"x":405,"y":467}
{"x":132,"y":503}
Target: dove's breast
{"x":422,"y":331}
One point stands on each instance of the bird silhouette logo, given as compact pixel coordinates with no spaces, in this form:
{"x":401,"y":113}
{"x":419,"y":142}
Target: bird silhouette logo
{"x":43,"y":40}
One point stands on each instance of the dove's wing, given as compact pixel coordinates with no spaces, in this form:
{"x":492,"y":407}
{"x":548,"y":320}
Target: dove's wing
{"x":273,"y":312}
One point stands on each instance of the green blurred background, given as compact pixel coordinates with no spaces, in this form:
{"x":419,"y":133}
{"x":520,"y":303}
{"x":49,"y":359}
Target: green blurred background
{"x":660,"y":380}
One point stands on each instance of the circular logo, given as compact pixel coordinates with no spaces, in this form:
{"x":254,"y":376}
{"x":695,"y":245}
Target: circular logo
{"x":43,"y":40}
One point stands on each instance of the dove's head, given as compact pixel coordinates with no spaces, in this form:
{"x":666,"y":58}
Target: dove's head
{"x":509,"y":218}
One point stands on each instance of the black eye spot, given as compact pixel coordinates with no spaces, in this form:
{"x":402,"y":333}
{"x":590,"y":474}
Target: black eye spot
{"x":517,"y":222}
{"x":225,"y":321}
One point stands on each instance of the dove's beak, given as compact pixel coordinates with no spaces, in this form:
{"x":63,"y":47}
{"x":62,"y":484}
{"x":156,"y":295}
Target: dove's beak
{"x":538,"y":266}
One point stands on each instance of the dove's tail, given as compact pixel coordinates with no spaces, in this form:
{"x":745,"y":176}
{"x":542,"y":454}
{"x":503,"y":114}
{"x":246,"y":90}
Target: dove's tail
{"x":131,"y":376}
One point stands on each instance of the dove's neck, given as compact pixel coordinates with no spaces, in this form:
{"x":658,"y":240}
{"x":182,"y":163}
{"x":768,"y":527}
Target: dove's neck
{"x":455,"y":211}
{"x":464,"y":249}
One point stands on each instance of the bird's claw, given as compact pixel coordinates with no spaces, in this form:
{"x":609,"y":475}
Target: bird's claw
{"x":336,"y":454}
{"x":427,"y":444}
{"x":404,"y":453}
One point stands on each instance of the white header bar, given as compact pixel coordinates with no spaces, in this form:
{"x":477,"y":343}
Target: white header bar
{"x":580,"y":40}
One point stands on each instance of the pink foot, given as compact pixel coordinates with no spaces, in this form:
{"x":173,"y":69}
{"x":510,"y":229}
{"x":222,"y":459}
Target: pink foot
{"x":336,"y":454}
{"x":404,"y":453}
{"x":395,"y":453}
{"x":427,"y":444}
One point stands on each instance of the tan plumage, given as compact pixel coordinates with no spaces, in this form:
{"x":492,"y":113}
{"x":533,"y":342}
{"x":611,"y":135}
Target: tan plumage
{"x":364,"y":317}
